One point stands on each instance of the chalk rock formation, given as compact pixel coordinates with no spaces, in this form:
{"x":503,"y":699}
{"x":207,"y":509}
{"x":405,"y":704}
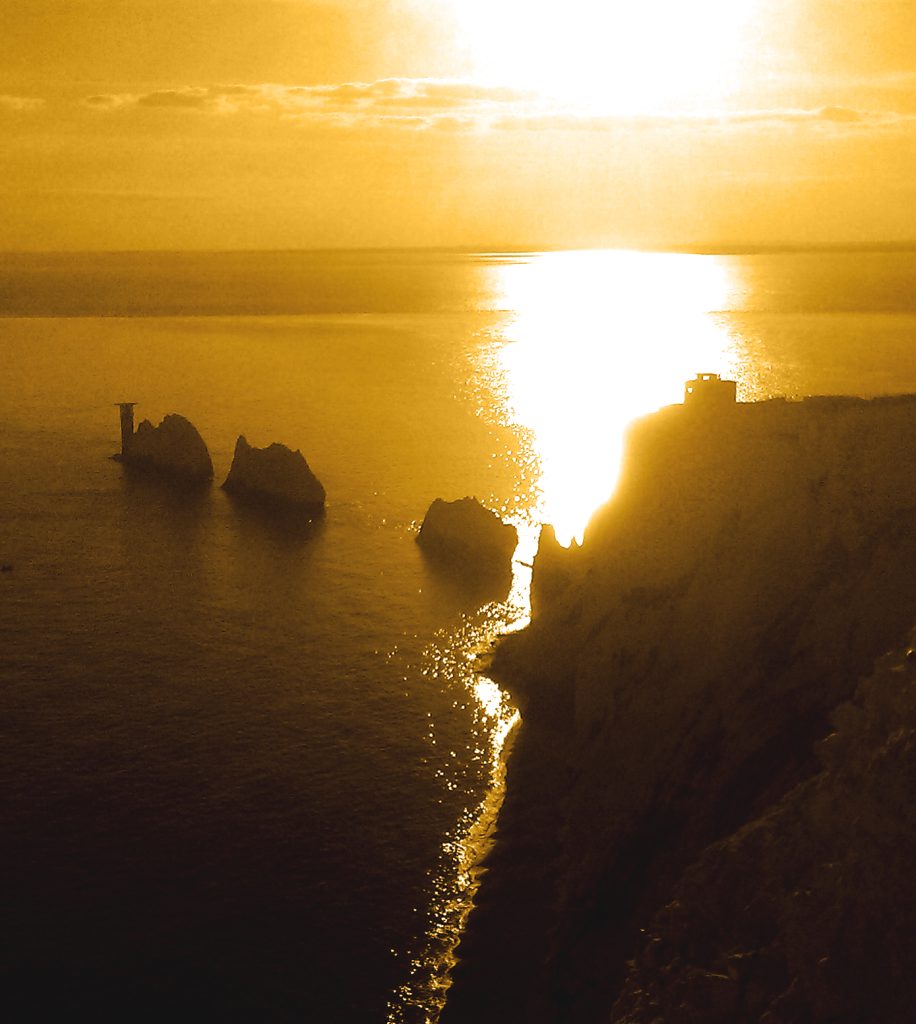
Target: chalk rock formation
{"x":275,"y":475}
{"x":679,"y":671}
{"x":806,"y":914}
{"x":467,"y":535}
{"x":550,"y":576}
{"x":174,"y":448}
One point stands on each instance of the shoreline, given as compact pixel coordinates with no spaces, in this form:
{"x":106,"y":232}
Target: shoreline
{"x":678,"y":674}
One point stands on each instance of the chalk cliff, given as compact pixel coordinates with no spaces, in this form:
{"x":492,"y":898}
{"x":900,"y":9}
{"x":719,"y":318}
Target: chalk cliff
{"x":679,"y":671}
{"x":808,"y":913}
{"x":276,"y":476}
{"x":174,"y":448}
{"x":468,"y":536}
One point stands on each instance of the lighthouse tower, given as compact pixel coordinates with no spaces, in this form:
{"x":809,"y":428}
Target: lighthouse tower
{"x":127,"y":426}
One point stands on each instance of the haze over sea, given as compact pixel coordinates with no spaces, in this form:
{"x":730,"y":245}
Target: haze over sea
{"x":243,"y":764}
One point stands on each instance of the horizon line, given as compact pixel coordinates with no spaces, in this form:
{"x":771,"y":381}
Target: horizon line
{"x":723,"y":248}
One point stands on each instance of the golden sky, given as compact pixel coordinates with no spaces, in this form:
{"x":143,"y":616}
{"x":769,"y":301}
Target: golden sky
{"x":311,"y":123}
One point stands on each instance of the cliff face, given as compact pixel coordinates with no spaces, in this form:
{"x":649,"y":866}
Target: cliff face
{"x":679,"y":668}
{"x":809,"y":913}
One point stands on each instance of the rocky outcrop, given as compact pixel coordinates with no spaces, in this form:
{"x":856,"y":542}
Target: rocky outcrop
{"x":468,"y":536}
{"x":679,"y":671}
{"x":274,"y":476}
{"x":174,"y":448}
{"x":808,"y":913}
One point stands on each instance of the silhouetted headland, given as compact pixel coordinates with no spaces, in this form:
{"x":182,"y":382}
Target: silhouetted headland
{"x":468,"y":537}
{"x":174,"y":448}
{"x":276,"y":477}
{"x":709,"y":816}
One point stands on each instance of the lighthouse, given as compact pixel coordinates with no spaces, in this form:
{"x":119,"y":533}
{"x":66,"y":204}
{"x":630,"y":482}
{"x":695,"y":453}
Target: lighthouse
{"x":127,"y":426}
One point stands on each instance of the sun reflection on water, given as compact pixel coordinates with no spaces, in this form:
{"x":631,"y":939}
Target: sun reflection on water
{"x":453,"y":661}
{"x":589,"y":341}
{"x":594,"y":340}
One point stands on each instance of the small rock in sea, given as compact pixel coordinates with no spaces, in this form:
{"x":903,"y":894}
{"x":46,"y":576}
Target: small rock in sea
{"x":468,"y":536}
{"x":276,"y":476}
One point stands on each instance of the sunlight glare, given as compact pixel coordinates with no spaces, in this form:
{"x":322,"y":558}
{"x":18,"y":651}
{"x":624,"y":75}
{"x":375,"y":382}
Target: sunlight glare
{"x":606,"y":55}
{"x":595,"y":340}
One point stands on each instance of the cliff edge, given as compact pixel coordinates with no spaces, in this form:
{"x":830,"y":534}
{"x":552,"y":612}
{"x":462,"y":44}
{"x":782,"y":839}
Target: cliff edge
{"x":680,"y":669}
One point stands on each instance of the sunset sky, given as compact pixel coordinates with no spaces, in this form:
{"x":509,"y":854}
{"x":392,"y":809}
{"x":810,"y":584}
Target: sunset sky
{"x":172,"y":124}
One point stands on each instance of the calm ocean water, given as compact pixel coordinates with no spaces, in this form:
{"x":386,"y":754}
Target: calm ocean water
{"x":243,"y":766}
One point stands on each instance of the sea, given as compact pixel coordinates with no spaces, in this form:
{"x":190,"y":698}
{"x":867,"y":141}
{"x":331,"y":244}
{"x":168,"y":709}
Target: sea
{"x":249,"y":767}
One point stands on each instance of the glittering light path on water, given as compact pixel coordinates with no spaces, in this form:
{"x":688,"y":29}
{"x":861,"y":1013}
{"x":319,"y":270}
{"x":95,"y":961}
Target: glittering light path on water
{"x":453,"y":660}
{"x":594,"y":340}
{"x":588,"y":342}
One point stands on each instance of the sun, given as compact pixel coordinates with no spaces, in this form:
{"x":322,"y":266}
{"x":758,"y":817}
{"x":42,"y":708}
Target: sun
{"x":589,"y":347}
{"x":611,"y":56}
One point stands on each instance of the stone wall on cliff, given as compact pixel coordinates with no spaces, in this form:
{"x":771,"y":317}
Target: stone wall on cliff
{"x":681,"y":665}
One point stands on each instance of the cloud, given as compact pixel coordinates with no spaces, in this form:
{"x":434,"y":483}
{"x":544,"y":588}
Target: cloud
{"x":824,"y":117}
{"x":840,"y":114}
{"x":195,"y":99}
{"x":109,"y":101}
{"x":454,"y":105}
{"x":396,"y":102}
{"x":832,"y":114}
{"x":20,"y":104}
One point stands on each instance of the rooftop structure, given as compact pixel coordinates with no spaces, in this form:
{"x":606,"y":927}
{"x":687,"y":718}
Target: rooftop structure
{"x":710,"y":391}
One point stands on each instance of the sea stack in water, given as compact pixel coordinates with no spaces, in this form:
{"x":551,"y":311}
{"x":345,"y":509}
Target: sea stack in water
{"x":469,"y":536}
{"x":275,"y":476}
{"x":174,"y":448}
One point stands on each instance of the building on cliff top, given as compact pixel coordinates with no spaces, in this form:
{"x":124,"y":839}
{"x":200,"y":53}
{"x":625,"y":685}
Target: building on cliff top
{"x":710,"y":391}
